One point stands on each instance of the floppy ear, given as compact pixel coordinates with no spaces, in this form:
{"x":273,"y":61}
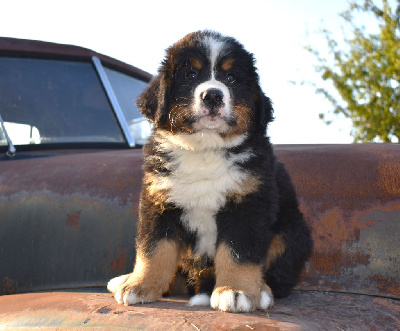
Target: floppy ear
{"x":265,"y":111}
{"x":152,"y":102}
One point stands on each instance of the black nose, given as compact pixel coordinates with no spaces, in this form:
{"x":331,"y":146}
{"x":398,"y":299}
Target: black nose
{"x":212,"y":98}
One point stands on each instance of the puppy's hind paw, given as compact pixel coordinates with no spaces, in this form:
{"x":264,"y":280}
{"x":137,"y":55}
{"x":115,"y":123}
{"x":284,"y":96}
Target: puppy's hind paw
{"x":200,"y":299}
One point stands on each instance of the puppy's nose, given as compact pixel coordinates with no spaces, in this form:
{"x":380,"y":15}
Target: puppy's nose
{"x":212,"y":98}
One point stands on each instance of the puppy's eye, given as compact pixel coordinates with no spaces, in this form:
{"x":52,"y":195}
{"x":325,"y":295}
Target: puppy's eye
{"x":192,"y":75}
{"x":230,"y":78}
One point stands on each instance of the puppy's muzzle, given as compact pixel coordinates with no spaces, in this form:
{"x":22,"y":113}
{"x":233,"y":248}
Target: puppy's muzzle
{"x":213,"y":99}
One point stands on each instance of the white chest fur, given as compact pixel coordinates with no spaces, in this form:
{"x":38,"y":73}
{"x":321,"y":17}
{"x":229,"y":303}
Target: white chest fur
{"x":199,"y":183}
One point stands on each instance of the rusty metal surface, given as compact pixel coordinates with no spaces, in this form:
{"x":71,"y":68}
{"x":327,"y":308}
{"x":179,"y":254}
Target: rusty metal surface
{"x":300,"y":311}
{"x":70,"y":220}
{"x":350,"y":196}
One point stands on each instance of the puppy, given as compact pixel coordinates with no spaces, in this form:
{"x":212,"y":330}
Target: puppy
{"x":215,"y":203}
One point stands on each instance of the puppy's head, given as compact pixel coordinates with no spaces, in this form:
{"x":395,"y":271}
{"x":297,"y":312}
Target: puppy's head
{"x":207,"y":83}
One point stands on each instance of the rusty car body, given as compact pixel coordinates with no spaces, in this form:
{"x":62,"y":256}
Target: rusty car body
{"x":69,"y":208}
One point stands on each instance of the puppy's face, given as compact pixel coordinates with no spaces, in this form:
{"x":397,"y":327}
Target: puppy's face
{"x":207,"y":82}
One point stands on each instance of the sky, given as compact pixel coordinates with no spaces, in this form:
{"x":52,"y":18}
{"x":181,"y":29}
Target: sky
{"x":138,"y":32}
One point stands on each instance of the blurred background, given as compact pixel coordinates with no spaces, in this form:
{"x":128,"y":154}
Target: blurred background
{"x":277,"y":32}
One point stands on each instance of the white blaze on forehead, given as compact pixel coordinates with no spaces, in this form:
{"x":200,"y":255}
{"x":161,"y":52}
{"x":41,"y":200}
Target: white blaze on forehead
{"x":215,"y":47}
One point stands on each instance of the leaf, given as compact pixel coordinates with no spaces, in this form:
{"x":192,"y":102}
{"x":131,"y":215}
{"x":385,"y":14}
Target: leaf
{"x":365,"y":72}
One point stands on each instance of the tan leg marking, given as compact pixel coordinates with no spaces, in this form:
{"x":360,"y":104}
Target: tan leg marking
{"x":238,"y":287}
{"x":151,"y":276}
{"x":267,"y":298}
{"x":276,"y":249}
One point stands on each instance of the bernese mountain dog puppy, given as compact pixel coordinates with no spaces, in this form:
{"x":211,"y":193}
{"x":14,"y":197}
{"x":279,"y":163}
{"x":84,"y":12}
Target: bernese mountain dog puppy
{"x":215,"y":203}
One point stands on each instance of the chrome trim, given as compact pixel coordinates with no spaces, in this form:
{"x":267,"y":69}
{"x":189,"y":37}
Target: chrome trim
{"x":113,"y":100}
{"x":11,"y":148}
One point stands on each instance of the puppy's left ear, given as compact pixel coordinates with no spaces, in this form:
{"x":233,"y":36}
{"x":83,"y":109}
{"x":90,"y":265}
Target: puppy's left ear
{"x":265,"y":111}
{"x":152,"y":103}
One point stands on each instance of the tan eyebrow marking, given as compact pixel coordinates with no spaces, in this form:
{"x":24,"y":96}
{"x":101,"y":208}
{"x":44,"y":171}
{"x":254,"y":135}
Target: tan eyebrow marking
{"x":227,"y":64}
{"x":196,"y":63}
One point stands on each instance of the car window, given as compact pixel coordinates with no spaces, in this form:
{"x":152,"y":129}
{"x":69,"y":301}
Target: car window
{"x":54,"y":101}
{"x":127,"y":89}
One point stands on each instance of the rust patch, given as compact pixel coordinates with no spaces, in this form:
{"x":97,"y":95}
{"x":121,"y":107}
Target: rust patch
{"x":333,"y":263}
{"x":389,"y":175}
{"x":334,"y":228}
{"x":73,"y":219}
{"x":387,"y":284}
{"x":119,"y":263}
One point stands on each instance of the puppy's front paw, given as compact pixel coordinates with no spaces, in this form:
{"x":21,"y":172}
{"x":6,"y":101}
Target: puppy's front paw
{"x":131,"y":293}
{"x":116,"y":282}
{"x":226,"y":299}
{"x":128,"y":290}
{"x":266,"y":300}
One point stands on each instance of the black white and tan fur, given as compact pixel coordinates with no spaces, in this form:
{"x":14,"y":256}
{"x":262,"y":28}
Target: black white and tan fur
{"x":215,"y":204}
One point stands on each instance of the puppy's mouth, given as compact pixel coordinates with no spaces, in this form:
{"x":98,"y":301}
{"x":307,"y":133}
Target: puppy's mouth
{"x":211,"y":122}
{"x":212,"y":112}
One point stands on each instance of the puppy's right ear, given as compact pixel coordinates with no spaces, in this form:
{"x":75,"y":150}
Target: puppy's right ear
{"x":152,"y":102}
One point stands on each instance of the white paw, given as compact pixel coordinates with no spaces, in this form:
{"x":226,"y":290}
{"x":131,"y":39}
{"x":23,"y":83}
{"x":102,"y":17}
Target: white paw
{"x":266,"y":300}
{"x":126,"y":297}
{"x":228,"y":300}
{"x":200,"y":299}
{"x":116,"y":282}
{"x":130,"y":298}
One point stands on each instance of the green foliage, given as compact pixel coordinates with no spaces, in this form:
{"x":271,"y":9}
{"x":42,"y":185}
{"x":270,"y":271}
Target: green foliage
{"x":366,"y":74}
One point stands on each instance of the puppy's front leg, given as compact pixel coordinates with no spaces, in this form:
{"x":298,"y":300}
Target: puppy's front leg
{"x":151,"y":275}
{"x":239,"y":287}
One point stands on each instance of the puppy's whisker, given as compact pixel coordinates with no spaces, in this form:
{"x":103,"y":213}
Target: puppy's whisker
{"x":176,"y":116}
{"x":177,"y":106}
